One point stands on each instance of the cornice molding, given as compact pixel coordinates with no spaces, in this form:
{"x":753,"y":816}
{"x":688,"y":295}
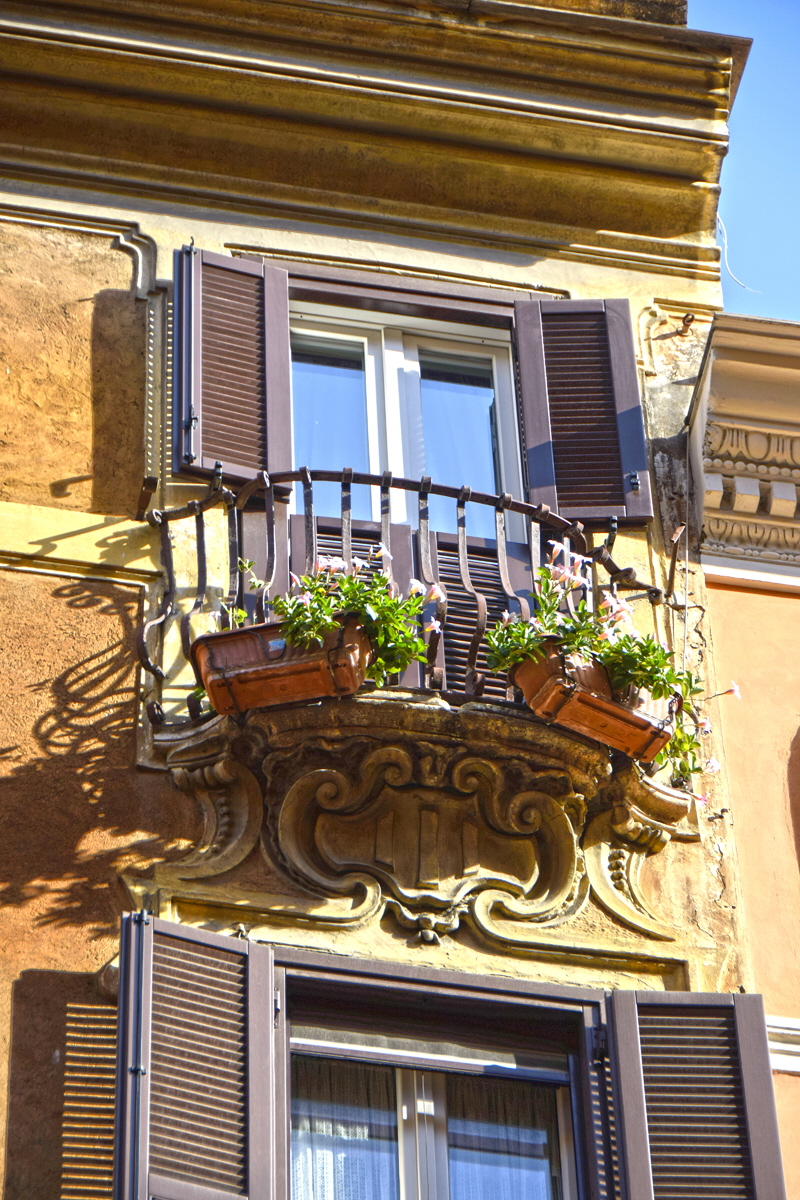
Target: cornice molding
{"x":424,"y":122}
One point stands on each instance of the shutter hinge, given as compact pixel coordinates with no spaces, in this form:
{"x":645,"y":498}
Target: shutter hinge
{"x":277,"y":1003}
{"x":190,"y":425}
{"x":635,"y":482}
{"x":142,"y":917}
{"x":599,"y":1043}
{"x":138,"y":1070}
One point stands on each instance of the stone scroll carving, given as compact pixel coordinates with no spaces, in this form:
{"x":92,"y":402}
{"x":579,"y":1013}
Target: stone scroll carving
{"x":425,"y":832}
{"x":357,"y":812}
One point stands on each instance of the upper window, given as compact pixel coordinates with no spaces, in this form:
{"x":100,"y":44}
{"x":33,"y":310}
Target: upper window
{"x":409,"y":396}
{"x":493,"y":389}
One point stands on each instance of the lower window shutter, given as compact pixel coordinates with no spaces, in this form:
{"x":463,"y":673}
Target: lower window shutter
{"x":581,"y":408}
{"x":694,"y":1100}
{"x":232,"y":367}
{"x":195,"y":1065}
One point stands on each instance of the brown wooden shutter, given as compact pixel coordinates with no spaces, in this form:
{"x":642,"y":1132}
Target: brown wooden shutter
{"x":232,"y":367}
{"x":461,"y":607}
{"x":195,"y":1065}
{"x":695,"y":1106}
{"x":581,"y":410}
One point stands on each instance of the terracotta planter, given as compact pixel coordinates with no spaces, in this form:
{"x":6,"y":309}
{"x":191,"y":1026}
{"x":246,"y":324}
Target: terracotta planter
{"x":254,"y":667}
{"x":580,"y":699}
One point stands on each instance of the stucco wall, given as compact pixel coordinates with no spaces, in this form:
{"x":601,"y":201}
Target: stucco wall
{"x":756,"y":639}
{"x":72,"y":371}
{"x":75,"y":812}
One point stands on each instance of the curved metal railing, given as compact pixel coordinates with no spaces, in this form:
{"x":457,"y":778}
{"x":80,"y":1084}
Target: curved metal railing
{"x":276,"y":491}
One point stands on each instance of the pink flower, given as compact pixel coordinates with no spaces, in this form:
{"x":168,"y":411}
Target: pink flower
{"x":701,"y":799}
{"x":305,"y":598}
{"x":295,"y":579}
{"x":712,"y":766}
{"x":435,"y":592}
{"x":433,"y":626}
{"x":507,"y":618}
{"x":704,"y":725}
{"x":358,"y":564}
{"x":415,"y":588}
{"x":733,"y":690}
{"x":327,"y":562}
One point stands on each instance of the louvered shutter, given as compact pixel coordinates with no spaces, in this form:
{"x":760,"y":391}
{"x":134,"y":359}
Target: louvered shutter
{"x":232,"y":368}
{"x":462,"y":609}
{"x":693,"y":1089}
{"x":581,"y":410}
{"x":195,"y":1065}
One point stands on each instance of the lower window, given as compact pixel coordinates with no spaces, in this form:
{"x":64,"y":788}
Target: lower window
{"x":404,"y":1120}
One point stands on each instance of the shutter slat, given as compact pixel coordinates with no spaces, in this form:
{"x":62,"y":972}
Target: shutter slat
{"x":233,"y":367}
{"x":695,"y":1105}
{"x":198,"y":1132}
{"x":583,"y":416}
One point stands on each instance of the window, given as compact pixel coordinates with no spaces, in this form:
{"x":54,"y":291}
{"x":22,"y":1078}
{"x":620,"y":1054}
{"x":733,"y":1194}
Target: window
{"x":388,"y":1081}
{"x":396,"y":359}
{"x":413,"y":396}
{"x":410,"y":1120}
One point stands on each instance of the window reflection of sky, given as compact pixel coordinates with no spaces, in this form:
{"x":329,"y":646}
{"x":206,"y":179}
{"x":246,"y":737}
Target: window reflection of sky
{"x":329,"y":414}
{"x":459,"y":435}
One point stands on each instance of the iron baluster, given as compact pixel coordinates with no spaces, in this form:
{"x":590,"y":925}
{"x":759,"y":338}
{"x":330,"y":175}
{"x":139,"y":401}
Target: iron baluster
{"x":347,"y":517}
{"x":475,"y":679}
{"x":433,"y":673}
{"x":200,"y":596}
{"x":502,"y":556}
{"x":159,"y":521}
{"x":310,"y":521}
{"x":386,"y":527}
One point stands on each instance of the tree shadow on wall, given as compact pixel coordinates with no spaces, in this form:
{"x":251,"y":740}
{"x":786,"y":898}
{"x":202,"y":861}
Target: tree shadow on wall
{"x":78,"y":812}
{"x":61,"y":1088}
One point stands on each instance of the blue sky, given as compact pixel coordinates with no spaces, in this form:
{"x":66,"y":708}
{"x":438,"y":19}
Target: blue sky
{"x":761,"y":175}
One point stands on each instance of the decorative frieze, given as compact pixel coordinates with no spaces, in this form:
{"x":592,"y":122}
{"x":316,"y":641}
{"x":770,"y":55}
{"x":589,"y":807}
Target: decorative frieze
{"x":745,"y":438}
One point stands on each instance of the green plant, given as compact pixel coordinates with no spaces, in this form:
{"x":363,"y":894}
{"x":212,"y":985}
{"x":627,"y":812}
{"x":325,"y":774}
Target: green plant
{"x":317,"y":603}
{"x":631,"y":659}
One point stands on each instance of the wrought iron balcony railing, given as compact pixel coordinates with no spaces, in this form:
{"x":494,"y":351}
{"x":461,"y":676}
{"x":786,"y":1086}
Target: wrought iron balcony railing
{"x":478,"y":578}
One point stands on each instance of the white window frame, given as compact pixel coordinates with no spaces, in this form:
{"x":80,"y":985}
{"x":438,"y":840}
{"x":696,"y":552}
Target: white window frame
{"x":391,"y":346}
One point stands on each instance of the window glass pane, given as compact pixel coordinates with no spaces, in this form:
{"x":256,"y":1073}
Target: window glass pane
{"x":329,"y":418}
{"x":460,"y":438}
{"x":502,"y":1139}
{"x":495,"y":1054}
{"x":344,"y":1131}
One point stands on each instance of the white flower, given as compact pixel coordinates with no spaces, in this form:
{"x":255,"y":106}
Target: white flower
{"x":704,"y":725}
{"x":712,"y":766}
{"x":734,"y":690}
{"x":295,"y":579}
{"x":433,"y":626}
{"x":415,"y":588}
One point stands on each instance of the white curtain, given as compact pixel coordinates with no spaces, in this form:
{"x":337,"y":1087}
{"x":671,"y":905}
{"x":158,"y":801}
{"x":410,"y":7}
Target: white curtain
{"x":344,"y":1131}
{"x":502,"y":1139}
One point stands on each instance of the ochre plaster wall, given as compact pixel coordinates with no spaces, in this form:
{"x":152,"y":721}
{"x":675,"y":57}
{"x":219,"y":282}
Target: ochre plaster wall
{"x":72,"y":371}
{"x":756,"y":638}
{"x":75,"y":812}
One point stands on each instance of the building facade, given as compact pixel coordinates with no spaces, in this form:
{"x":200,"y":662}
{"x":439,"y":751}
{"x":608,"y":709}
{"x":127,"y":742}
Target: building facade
{"x":435,"y":285}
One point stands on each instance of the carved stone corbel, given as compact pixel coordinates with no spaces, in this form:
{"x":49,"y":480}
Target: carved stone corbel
{"x":643,"y":817}
{"x":232,"y":806}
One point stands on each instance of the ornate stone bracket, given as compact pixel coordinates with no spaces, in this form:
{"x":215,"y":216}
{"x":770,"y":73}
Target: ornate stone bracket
{"x":368,"y":809}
